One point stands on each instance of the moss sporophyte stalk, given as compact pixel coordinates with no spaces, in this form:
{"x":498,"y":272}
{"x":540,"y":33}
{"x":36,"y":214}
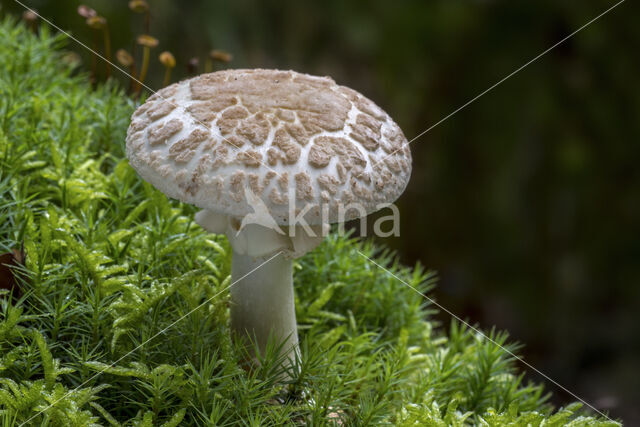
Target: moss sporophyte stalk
{"x":147,"y":42}
{"x":112,"y":264}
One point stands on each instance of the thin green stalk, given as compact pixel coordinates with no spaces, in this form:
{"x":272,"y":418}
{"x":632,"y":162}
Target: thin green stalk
{"x":167,"y":77}
{"x":145,"y":67}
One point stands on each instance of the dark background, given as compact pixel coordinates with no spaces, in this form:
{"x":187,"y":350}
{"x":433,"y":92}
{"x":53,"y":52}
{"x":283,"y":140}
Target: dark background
{"x":527,"y":202}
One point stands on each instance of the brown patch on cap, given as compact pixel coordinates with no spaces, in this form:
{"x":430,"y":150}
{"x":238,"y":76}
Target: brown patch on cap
{"x":192,"y":187}
{"x":347,"y":198}
{"x":278,"y":198}
{"x":325,"y":147}
{"x":273,"y":156}
{"x":255,"y":128}
{"x":287,"y":145}
{"x":233,"y":141}
{"x":138,"y":124}
{"x":229,"y":119}
{"x":329,"y":183}
{"x":317,"y":122}
{"x":359,"y":173}
{"x":360,"y":191}
{"x":164,"y":93}
{"x":366,"y":130}
{"x":165,"y":171}
{"x":250,"y":158}
{"x":299,"y":133}
{"x":268,"y":177}
{"x":236,"y":186}
{"x":304,"y":191}
{"x":342,"y":173}
{"x":393,"y":163}
{"x":160,"y":109}
{"x":283,"y":181}
{"x":321,"y":152}
{"x":235,"y":113}
{"x":143,"y":108}
{"x":382,"y":179}
{"x":206,"y":86}
{"x":208,"y":110}
{"x":363,"y":104}
{"x":184,"y":150}
{"x":254,"y":183}
{"x":286,"y":115}
{"x":220,"y":153}
{"x":160,"y":133}
{"x":226,"y":126}
{"x":394,"y":139}
{"x":314,"y":81}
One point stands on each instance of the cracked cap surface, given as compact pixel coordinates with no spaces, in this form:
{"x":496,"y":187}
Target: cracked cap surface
{"x":299,"y":142}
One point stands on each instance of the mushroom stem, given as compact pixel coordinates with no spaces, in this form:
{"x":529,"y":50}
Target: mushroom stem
{"x":143,"y":70}
{"x":167,"y":77}
{"x":262,"y":303}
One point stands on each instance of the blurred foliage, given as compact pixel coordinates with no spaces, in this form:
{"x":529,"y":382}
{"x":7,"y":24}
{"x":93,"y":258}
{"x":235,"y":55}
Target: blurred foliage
{"x":527,"y":201}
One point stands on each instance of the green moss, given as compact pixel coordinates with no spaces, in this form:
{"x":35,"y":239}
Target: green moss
{"x":111,"y":262}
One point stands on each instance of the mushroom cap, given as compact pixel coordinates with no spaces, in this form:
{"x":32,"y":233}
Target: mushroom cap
{"x":167,"y":59}
{"x":138,"y":6}
{"x":303,"y":145}
{"x":97,"y":22}
{"x":147,"y":41}
{"x":30,"y":15}
{"x":124,"y":58}
{"x":220,"y":55}
{"x":86,"y":11}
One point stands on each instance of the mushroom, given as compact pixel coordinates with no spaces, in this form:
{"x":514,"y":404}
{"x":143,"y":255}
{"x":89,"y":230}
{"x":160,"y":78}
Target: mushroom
{"x":126,"y":60}
{"x":141,"y":6}
{"x":218,"y":56}
{"x":167,"y":59}
{"x":272,"y":158}
{"x":147,"y":42}
{"x":30,"y":17}
{"x":99,"y":23}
